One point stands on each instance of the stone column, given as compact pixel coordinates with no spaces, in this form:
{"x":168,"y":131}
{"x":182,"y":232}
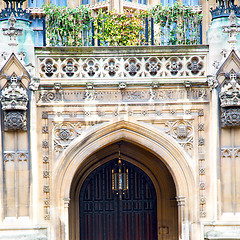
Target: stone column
{"x":181,"y":217}
{"x":65,"y":218}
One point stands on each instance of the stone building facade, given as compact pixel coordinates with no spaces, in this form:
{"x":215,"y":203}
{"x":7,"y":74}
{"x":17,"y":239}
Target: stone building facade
{"x":170,"y":113}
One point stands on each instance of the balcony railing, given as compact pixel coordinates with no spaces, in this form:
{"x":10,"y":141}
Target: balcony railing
{"x":152,"y":30}
{"x":114,"y":64}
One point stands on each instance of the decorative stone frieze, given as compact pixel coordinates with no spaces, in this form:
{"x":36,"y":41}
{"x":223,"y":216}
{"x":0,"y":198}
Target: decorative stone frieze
{"x":121,"y":67}
{"x":114,"y":95}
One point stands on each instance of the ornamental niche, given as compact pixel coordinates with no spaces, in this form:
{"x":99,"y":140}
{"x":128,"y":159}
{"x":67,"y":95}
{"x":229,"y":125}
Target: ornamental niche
{"x":14,"y":101}
{"x":15,"y":81}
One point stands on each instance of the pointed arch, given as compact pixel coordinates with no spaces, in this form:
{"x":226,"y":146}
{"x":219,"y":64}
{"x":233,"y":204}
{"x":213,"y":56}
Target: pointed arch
{"x":141,"y":134}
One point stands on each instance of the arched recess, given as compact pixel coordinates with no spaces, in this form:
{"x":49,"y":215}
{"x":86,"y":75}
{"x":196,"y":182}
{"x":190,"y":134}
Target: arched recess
{"x":165,"y":150}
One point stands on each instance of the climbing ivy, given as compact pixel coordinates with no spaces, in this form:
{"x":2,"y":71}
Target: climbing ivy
{"x":175,"y":24}
{"x":178,"y":24}
{"x":67,"y":26}
{"x":125,"y":29}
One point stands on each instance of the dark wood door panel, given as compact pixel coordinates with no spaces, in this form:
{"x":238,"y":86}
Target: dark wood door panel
{"x":106,"y":216}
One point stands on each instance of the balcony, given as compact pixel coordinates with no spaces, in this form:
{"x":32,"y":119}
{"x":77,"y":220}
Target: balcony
{"x":131,"y":65}
{"x":169,"y":25}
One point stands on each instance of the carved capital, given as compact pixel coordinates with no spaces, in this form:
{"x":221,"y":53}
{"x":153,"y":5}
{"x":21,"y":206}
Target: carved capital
{"x":181,"y":200}
{"x":212,"y":82}
{"x":66,"y":202}
{"x":34,"y":84}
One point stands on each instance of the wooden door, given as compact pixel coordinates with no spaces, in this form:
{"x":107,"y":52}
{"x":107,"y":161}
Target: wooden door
{"x":104,"y":216}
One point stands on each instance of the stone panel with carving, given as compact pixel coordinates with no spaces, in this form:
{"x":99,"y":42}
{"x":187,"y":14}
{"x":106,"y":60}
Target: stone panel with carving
{"x":121,"y":67}
{"x":182,"y":131}
{"x":15,"y":120}
{"x":230,"y":117}
{"x":64,"y":133}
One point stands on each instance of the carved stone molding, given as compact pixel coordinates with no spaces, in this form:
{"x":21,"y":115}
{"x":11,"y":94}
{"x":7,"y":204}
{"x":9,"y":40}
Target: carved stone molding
{"x":13,"y":156}
{"x":34,"y":84}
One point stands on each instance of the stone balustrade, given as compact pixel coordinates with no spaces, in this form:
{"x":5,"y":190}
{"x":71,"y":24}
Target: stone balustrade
{"x":175,"y":64}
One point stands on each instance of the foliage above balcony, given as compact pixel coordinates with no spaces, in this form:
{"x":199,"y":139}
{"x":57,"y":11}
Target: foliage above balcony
{"x":124,"y":29}
{"x":175,"y":24}
{"x":64,"y":25}
{"x":178,"y":23}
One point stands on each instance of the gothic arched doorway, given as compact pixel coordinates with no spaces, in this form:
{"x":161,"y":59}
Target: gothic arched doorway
{"x":150,"y":206}
{"x":105,"y":215}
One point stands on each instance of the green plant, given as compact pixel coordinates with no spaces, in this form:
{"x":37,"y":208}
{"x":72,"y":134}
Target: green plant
{"x":178,"y":24}
{"x":66,"y":26}
{"x":120,"y":29}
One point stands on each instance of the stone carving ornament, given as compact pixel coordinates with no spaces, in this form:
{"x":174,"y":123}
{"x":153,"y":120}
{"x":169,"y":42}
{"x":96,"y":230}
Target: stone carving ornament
{"x":212,"y":82}
{"x":14,"y":96}
{"x":195,"y":66}
{"x":121,"y":67}
{"x":14,"y":101}
{"x":174,"y":66}
{"x":15,"y":120}
{"x":230,"y":117}
{"x":230,"y":92}
{"x":64,"y":133}
{"x":182,"y":131}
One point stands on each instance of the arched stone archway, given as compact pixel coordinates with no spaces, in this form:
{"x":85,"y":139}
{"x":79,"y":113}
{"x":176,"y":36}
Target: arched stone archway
{"x":146,"y":137}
